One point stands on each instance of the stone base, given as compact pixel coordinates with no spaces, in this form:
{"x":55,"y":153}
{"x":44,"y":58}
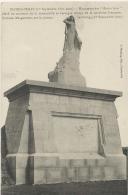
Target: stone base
{"x":68,"y":77}
{"x":37,"y":169}
{"x":60,"y":134}
{"x":67,"y":70}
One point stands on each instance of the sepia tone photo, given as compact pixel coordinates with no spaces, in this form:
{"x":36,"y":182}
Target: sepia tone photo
{"x":64,"y":106}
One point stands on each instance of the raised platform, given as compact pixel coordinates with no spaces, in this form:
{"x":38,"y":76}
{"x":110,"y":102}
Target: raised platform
{"x":60,"y":134}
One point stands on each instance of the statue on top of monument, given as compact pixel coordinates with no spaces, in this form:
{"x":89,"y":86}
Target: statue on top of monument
{"x":67,"y":69}
{"x":72,"y":41}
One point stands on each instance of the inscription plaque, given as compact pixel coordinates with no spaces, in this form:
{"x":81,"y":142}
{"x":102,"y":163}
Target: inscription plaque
{"x":75,"y":134}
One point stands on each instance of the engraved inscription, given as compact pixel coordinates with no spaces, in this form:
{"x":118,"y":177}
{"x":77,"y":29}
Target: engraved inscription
{"x":75,"y":134}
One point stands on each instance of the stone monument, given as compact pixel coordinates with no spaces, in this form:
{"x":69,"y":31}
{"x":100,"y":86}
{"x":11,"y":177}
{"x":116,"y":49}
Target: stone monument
{"x":62,"y":131}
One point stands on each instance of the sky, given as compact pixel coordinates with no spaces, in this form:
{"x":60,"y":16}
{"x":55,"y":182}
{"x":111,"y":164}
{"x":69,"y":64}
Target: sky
{"x":31,"y":48}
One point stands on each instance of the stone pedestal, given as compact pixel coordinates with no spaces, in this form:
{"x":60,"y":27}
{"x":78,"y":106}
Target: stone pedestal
{"x":57,"y":133}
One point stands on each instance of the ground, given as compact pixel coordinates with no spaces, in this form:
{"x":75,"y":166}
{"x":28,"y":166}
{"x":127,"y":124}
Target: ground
{"x":88,"y":188}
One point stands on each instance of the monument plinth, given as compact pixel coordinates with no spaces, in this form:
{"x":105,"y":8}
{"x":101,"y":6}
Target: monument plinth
{"x":57,"y":133}
{"x":63,"y":131}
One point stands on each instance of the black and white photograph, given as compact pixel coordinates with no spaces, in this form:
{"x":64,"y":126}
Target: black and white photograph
{"x":64,"y":98}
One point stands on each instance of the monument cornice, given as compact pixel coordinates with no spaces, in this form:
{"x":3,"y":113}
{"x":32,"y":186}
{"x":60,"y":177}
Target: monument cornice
{"x":31,"y":86}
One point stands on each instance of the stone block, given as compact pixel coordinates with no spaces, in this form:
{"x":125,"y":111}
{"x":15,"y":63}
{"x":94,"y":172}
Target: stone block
{"x":30,"y":170}
{"x":14,"y":122}
{"x":101,"y":162}
{"x":64,"y":163}
{"x":71,"y":174}
{"x":54,"y":175}
{"x":83,"y":174}
{"x":50,"y":161}
{"x":40,"y":161}
{"x":90,"y":162}
{"x":96,"y":173}
{"x":116,"y":160}
{"x":40,"y":176}
{"x":120,"y":172}
{"x":109,"y":173}
{"x":77,"y":163}
{"x":21,"y":166}
{"x":11,"y":167}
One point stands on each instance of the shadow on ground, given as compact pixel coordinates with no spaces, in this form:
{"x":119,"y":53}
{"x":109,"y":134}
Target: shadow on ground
{"x":88,"y":188}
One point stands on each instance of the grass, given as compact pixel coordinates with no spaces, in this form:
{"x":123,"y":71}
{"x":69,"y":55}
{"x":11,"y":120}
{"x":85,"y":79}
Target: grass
{"x":88,"y":188}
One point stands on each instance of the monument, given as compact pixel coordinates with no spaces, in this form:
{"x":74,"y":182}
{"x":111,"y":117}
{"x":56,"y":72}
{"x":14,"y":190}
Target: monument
{"x":62,"y":131}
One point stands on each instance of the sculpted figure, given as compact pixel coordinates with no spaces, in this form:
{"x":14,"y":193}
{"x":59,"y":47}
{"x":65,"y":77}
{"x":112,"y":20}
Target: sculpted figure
{"x":67,"y":69}
{"x":72,"y":41}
